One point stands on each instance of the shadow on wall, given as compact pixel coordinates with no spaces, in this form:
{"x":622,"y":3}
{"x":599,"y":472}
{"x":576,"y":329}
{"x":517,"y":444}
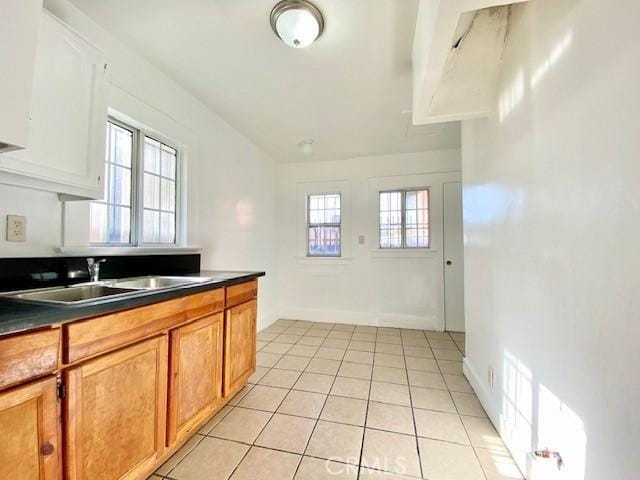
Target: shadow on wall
{"x":532,"y":417}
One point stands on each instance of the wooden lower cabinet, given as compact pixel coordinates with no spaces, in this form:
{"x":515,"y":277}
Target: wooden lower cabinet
{"x":30,"y":432}
{"x":195,"y":374}
{"x":240,"y":346}
{"x":116,"y":413}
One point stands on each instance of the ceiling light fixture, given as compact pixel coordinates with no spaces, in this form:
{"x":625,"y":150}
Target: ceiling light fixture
{"x":297,"y":22}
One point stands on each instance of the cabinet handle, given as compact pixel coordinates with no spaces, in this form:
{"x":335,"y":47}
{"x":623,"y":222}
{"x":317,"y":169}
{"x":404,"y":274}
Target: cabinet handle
{"x":46,"y":449}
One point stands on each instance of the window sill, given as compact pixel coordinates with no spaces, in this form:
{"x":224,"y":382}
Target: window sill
{"x":126,"y":250}
{"x":304,"y":260}
{"x":403,"y":253}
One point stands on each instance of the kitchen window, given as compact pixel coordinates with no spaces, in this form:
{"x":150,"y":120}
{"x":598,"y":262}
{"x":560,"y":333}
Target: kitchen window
{"x":140,"y":203}
{"x":404,"y":219}
{"x":324,"y":227}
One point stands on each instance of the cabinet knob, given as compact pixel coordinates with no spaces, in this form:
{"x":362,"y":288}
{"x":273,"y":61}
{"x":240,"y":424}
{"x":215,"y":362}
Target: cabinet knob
{"x":46,"y":449}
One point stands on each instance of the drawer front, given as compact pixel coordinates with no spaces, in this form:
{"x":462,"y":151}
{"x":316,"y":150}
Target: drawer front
{"x":28,"y":356}
{"x":203,"y":304}
{"x":101,"y":334}
{"x":241,"y":293}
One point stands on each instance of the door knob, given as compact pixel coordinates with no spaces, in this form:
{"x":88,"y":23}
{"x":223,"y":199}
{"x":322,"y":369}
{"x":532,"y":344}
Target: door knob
{"x":449,"y":262}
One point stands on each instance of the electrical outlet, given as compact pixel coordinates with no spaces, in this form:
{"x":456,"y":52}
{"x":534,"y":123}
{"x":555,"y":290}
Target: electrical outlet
{"x":16,"y":228}
{"x":490,"y":376}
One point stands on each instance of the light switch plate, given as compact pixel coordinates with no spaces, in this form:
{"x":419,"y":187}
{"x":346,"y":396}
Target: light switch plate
{"x":16,"y":228}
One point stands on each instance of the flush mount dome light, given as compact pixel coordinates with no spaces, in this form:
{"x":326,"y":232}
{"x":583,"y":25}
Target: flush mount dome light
{"x":297,"y":22}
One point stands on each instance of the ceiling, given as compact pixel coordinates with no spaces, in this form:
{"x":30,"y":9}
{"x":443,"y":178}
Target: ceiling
{"x":350,"y":91}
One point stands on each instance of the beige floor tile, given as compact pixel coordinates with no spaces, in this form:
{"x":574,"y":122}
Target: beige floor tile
{"x":391,"y":452}
{"x":432,"y":399}
{"x":280,"y":378}
{"x":389,"y":348}
{"x":440,"y":426}
{"x":283,"y":322}
{"x":293,"y":362}
{"x":262,"y":397}
{"x":206,"y":428}
{"x":213,"y":459}
{"x":336,"y":442}
{"x":241,"y":425}
{"x":351,"y":387}
{"x":448,"y":461}
{"x":415,"y":342}
{"x":343,"y":327}
{"x":265,"y":359}
{"x":177,"y":457}
{"x":317,"y":333}
{"x":260,"y":345}
{"x":447,"y":354}
{"x":314,"y":341}
{"x":358,"y":357}
{"x":330,"y":353}
{"x":274,"y":347}
{"x":265,"y":464}
{"x":295,"y":330}
{"x":303,"y":350}
{"x":314,"y":382}
{"x":393,"y":418}
{"x":370,"y":474}
{"x":457,"y":383}
{"x":468,"y":404}
{"x":363,"y":337}
{"x":318,"y":469}
{"x":302,"y":404}
{"x":418,"y":352}
{"x":482,"y":433}
{"x":336,"y":343}
{"x":240,"y":395}
{"x":365,"y":329}
{"x":355,"y":370}
{"x":443,"y":344}
{"x":498,"y":465}
{"x":266,"y":337}
{"x":323,"y":365}
{"x":436,"y":335}
{"x":321,"y":326}
{"x":450,"y":367}
{"x":344,"y":335}
{"x":389,"y":331}
{"x":257,"y":375}
{"x":388,"y":360}
{"x":419,"y":378}
{"x":284,"y":432}
{"x":390,"y":375}
{"x":287,"y":338}
{"x":422,"y":364}
{"x":344,"y":410}
{"x":362,"y":346}
{"x":390,"y":339}
{"x":458,"y":336}
{"x":390,"y":393}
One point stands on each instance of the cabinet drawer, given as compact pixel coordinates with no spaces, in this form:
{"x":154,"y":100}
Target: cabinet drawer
{"x":28,"y":356}
{"x":241,"y":293}
{"x":101,"y":334}
{"x":203,"y":304}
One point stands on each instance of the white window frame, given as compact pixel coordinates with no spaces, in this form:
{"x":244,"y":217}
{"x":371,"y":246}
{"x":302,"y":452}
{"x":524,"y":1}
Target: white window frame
{"x":137,"y":188}
{"x":403,"y":214}
{"x":325,"y":224}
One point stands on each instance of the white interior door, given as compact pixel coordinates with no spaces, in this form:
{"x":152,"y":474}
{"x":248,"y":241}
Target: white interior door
{"x":453,"y":257}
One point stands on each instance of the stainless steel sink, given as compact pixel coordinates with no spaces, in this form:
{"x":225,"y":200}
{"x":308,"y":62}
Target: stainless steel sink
{"x":69,"y":295}
{"x":153,"y":283}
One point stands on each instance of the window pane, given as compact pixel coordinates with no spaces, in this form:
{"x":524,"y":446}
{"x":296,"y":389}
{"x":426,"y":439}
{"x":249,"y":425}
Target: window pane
{"x":121,"y":187}
{"x":151,"y":155}
{"x":98,"y":223}
{"x":122,"y":140}
{"x":417,"y":219}
{"x":119,"y":225}
{"x":324,"y":241}
{"x":167,"y":228}
{"x":168,"y":195}
{"x":168,"y":162}
{"x":151,"y":226}
{"x":151,"y":191}
{"x":391,"y":219}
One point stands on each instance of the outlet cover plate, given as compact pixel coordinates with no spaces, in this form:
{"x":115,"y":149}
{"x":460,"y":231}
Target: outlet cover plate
{"x":16,"y":228}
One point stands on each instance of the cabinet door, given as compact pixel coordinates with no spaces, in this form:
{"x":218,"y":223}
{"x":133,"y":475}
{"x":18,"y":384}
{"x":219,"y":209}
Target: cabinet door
{"x":195,"y":374}
{"x":240,"y":346}
{"x":30,"y":432}
{"x":66,"y":146}
{"x":116,"y":413}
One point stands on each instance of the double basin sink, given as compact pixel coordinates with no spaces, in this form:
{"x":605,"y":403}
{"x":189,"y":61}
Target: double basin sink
{"x":106,"y":290}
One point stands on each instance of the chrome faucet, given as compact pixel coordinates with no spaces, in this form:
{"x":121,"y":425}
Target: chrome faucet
{"x":94,"y":268}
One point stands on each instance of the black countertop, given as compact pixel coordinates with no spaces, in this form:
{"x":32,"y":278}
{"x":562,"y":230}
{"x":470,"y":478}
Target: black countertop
{"x":20,"y":317}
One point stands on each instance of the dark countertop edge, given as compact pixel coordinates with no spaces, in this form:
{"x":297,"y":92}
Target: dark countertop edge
{"x":20,"y":317}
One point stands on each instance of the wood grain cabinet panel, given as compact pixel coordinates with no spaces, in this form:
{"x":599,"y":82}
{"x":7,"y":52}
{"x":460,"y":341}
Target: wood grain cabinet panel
{"x":241,"y":293}
{"x":116,"y":413}
{"x":195,"y":374}
{"x":30,"y":432}
{"x":240,"y":346}
{"x":28,"y":356}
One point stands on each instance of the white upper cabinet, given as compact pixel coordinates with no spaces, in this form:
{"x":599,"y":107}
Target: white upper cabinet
{"x":19,"y":22}
{"x":66,"y":138}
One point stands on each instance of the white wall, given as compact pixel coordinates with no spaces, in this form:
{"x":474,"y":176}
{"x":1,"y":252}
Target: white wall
{"x":230,"y":202}
{"x":367,"y":286}
{"x":552,"y":222}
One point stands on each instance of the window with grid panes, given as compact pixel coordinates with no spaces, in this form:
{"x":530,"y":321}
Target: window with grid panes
{"x":404,"y":219}
{"x":323,"y":225}
{"x":140,"y":203}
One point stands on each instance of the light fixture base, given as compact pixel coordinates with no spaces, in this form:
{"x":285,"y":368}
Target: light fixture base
{"x":294,"y":33}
